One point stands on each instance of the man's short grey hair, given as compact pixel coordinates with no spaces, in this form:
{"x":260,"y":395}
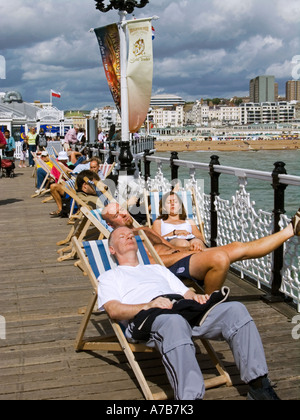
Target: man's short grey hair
{"x":110,"y":239}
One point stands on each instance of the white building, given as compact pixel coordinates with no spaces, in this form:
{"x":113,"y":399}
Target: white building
{"x":166,"y":101}
{"x":203,"y":114}
{"x":160,"y":117}
{"x":16,"y":114}
{"x":268,"y":112}
{"x":107,"y":116}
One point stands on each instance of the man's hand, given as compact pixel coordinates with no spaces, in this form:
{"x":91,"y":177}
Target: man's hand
{"x":180,"y":233}
{"x":202,"y":299}
{"x":160,"y":303}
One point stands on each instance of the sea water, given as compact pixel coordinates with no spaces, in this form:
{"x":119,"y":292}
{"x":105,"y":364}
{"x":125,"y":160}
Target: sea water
{"x":261,"y":192}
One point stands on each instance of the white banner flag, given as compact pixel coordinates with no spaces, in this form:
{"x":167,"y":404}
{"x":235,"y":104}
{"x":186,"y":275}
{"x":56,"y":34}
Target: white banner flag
{"x":139,"y":72}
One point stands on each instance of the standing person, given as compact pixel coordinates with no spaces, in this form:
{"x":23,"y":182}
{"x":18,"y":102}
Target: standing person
{"x":2,"y":141}
{"x":10,"y":144}
{"x":41,"y":140}
{"x":2,"y":146}
{"x":81,"y":138}
{"x":101,"y":138}
{"x":10,"y":148}
{"x":24,"y":146}
{"x":71,"y":138}
{"x":31,"y":138}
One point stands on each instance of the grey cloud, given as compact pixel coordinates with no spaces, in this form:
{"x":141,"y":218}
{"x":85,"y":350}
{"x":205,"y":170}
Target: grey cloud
{"x":202,"y":47}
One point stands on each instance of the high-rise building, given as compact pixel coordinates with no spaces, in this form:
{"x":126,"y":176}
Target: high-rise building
{"x":293,"y":90}
{"x":262,"y":89}
{"x":166,"y":101}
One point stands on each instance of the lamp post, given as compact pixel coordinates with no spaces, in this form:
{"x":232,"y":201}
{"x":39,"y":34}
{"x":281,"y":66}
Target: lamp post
{"x":124,"y":7}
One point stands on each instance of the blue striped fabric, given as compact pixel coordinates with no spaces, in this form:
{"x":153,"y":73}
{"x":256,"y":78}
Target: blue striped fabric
{"x":186,"y":197}
{"x":101,"y":260}
{"x":98,"y":215}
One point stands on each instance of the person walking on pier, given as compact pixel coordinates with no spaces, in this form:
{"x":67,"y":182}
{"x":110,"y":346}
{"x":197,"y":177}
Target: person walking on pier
{"x":208,"y":267}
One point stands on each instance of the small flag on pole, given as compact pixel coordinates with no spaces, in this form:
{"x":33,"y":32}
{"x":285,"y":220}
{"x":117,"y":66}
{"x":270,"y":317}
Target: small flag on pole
{"x":153,"y":33}
{"x":55,"y":94}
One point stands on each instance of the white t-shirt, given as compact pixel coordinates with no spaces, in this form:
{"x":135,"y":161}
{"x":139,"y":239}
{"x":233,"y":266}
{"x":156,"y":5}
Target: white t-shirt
{"x":137,"y":285}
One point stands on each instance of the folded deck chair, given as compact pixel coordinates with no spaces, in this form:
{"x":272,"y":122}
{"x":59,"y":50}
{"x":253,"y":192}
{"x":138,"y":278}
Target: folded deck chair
{"x":96,"y":259}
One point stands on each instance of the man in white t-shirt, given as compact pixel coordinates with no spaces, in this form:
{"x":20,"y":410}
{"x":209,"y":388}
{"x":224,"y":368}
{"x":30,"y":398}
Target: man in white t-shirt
{"x":131,"y":289}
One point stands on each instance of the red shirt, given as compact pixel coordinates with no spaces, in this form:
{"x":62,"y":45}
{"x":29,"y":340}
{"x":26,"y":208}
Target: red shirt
{"x":2,"y":140}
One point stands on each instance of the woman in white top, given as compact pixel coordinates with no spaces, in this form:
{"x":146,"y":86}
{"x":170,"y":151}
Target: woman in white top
{"x":173,"y":225}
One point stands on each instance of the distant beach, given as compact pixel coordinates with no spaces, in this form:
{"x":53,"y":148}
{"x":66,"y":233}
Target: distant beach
{"x":226,"y":146}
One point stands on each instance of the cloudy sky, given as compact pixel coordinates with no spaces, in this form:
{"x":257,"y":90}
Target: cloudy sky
{"x":203,"y":48}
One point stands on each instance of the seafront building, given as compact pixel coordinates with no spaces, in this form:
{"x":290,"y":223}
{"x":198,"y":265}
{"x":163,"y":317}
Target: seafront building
{"x":168,"y":112}
{"x":166,"y":101}
{"x":107,"y":116}
{"x":263,"y":89}
{"x":16,"y":115}
{"x":293,"y":90}
{"x":246,"y":113}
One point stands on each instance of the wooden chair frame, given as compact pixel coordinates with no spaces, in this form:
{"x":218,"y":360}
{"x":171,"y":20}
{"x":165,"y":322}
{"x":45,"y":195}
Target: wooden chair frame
{"x":108,"y":343}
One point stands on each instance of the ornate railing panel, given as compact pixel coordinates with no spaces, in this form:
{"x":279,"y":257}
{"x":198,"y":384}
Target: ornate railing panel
{"x":240,"y":221}
{"x":291,"y":267}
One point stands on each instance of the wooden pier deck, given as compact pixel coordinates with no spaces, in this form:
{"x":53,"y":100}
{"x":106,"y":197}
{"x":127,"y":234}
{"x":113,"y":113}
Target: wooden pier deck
{"x":39,"y":299}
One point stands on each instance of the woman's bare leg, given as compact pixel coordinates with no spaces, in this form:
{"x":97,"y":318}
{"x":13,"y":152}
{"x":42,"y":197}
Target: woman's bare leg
{"x":238,"y":251}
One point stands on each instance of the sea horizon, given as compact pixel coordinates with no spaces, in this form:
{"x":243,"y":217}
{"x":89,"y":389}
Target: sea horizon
{"x":260,"y":191}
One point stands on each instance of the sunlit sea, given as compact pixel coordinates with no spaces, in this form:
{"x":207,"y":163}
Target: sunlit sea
{"x":261,"y":192}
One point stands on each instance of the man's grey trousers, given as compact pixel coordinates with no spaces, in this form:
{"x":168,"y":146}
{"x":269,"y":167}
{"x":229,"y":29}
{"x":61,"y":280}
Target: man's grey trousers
{"x":172,"y":336}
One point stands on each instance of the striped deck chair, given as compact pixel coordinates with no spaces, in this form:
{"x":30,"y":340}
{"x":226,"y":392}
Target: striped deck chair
{"x":39,"y":162}
{"x":96,"y":259}
{"x":63,"y":174}
{"x":107,"y":169}
{"x":51,"y":150}
{"x":187,"y":197}
{"x":87,"y":220}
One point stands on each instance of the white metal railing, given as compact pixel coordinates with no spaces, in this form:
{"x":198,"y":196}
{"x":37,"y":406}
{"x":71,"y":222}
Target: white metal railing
{"x":18,"y":153}
{"x":240,"y":221}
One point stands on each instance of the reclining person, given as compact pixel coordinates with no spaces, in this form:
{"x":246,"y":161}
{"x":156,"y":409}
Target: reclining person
{"x":210,"y":266}
{"x":175,"y":227}
{"x":134,"y":292}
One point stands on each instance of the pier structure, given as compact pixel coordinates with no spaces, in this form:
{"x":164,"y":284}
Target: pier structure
{"x":39,"y":302}
{"x":239,"y":220}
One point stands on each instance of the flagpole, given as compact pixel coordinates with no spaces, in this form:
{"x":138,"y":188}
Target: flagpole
{"x":124,"y":85}
{"x":51,"y":97}
{"x":124,"y":7}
